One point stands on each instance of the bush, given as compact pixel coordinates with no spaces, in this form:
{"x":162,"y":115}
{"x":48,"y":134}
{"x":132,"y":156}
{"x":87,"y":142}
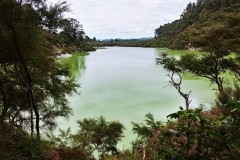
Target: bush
{"x":16,"y":144}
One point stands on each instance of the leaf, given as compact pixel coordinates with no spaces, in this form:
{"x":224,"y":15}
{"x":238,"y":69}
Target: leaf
{"x":234,"y":110}
{"x":160,"y":152}
{"x":173,"y":115}
{"x":197,"y":118}
{"x":198,"y":110}
{"x":173,"y":131}
{"x":221,"y":115}
{"x":173,"y":154}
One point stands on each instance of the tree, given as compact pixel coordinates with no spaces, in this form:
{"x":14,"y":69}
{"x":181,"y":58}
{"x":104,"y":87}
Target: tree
{"x":193,"y":134}
{"x":95,"y":135}
{"x":217,"y":41}
{"x":147,"y":133}
{"x":88,"y":39}
{"x":72,"y":29}
{"x":171,"y":65}
{"x":98,"y":134}
{"x":33,"y":90}
{"x":51,"y":17}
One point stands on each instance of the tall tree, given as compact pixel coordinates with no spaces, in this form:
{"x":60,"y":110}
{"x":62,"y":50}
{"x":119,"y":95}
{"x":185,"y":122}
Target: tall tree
{"x":33,"y":90}
{"x":51,"y":16}
{"x":73,"y":29}
{"x":171,"y":65}
{"x":216,"y":41}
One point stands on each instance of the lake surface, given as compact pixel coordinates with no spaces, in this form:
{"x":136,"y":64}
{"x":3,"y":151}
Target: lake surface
{"x":125,"y":84}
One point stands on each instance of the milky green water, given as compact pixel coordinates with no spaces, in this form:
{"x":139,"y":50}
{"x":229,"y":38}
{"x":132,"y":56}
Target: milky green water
{"x":125,"y":84}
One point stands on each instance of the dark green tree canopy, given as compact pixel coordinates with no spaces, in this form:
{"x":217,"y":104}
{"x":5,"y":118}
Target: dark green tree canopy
{"x":199,"y":15}
{"x":73,"y":30}
{"x":32,"y":86}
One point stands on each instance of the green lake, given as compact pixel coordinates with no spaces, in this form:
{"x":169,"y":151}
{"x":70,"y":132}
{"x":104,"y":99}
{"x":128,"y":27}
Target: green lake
{"x":124,"y":84}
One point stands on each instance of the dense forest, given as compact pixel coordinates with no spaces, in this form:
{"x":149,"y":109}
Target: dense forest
{"x":200,"y":16}
{"x":132,"y":43}
{"x":34,"y":87}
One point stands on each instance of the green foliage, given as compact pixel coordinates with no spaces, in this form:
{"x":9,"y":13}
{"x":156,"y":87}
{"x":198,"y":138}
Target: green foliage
{"x":209,"y":13}
{"x":169,"y":63}
{"x":51,"y":16}
{"x":211,"y":65}
{"x":181,"y":42}
{"x":72,"y":29}
{"x":145,"y":130}
{"x":124,"y":155}
{"x":33,"y":86}
{"x":195,"y":134}
{"x":232,"y":88}
{"x":95,"y":135}
{"x":100,"y":135}
{"x":16,"y":144}
{"x":163,"y":42}
{"x":147,"y":134}
{"x":30,"y":75}
{"x":212,"y":134}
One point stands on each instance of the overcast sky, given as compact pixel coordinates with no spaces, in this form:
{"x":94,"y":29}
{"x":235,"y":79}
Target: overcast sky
{"x":124,"y":18}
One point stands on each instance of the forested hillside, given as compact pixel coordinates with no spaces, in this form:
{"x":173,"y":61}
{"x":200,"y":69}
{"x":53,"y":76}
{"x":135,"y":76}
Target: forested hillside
{"x":202,"y":15}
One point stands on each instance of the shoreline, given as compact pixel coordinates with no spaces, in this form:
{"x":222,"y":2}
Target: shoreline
{"x":67,"y":55}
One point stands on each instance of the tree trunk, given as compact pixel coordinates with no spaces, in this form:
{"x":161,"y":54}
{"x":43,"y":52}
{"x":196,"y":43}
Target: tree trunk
{"x":29,"y":84}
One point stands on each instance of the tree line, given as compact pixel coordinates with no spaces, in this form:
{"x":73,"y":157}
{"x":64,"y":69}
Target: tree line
{"x":203,"y":13}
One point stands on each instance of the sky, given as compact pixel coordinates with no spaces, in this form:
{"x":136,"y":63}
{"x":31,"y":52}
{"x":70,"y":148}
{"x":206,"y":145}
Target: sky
{"x":105,"y":19}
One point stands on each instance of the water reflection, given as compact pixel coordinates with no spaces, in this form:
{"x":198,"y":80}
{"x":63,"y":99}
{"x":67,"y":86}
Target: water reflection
{"x":77,"y":65}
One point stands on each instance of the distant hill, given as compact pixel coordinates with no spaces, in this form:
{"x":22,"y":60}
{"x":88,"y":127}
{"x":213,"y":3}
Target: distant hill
{"x":129,"y":39}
